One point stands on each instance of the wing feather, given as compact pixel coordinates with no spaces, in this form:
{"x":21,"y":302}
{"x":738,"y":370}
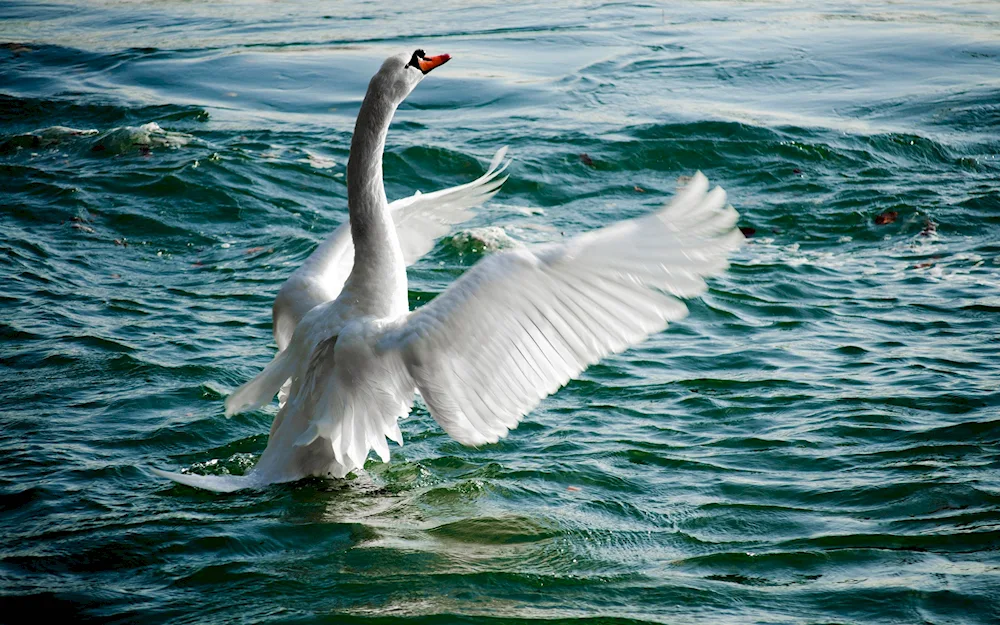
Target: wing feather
{"x":422,"y":219}
{"x":522,"y":323}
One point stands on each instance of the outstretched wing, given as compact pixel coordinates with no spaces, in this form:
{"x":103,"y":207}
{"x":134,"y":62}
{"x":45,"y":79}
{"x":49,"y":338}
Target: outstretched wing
{"x":521,"y":324}
{"x":423,"y":218}
{"x":420,"y":220}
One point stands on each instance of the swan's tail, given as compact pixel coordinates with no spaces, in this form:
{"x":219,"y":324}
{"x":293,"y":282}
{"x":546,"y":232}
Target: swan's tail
{"x":215,"y":483}
{"x":261,"y":390}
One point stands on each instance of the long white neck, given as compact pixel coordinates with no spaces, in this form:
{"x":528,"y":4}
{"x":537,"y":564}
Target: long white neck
{"x":366,"y":201}
{"x":379,"y":274}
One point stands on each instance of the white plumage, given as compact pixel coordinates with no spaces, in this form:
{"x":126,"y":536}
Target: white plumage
{"x":520,"y":324}
{"x":512,"y":330}
{"x":420,"y":220}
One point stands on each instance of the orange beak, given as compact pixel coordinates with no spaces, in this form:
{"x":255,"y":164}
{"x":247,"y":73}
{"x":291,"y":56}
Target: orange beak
{"x":430,"y":62}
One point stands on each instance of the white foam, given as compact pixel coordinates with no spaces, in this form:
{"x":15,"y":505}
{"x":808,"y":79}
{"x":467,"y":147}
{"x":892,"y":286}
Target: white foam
{"x":57,"y":134}
{"x":148,"y":135}
{"x":487,"y":239}
{"x":929,"y":257}
{"x":317,"y":161}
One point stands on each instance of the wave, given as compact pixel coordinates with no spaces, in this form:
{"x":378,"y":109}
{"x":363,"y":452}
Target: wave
{"x":114,"y":141}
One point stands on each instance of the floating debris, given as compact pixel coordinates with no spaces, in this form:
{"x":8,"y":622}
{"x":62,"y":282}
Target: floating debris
{"x":122,"y":242}
{"x":639,"y":189}
{"x":930,"y":228}
{"x":797,"y":171}
{"x":886,"y":218}
{"x":16,"y":48}
{"x":586,"y":160}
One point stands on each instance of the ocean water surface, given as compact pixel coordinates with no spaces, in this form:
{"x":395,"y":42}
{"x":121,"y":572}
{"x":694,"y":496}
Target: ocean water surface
{"x":818,"y":442}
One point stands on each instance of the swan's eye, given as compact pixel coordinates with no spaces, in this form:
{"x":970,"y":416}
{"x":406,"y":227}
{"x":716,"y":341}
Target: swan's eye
{"x":415,"y":59}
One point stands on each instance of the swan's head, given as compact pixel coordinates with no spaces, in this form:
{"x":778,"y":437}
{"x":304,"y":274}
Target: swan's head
{"x":402,"y":72}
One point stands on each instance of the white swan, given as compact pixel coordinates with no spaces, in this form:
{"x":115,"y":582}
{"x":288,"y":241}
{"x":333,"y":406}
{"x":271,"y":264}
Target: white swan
{"x":512,"y":330}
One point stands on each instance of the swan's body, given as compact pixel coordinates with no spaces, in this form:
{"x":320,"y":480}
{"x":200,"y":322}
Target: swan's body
{"x":512,"y":330}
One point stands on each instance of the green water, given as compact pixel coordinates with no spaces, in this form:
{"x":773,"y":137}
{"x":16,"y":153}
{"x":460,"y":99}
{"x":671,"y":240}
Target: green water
{"x":818,"y":442}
